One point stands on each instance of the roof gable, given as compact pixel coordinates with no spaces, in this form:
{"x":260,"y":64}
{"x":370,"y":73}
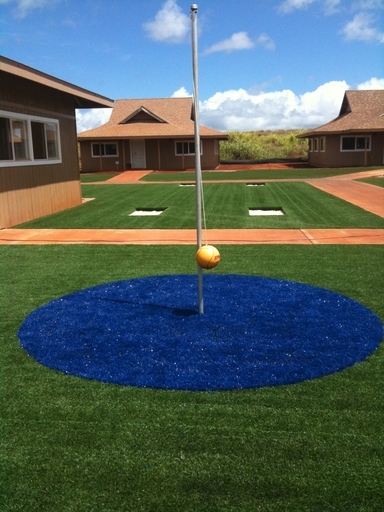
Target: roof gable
{"x":142,"y":115}
{"x":345,"y":106}
{"x":169,"y":110}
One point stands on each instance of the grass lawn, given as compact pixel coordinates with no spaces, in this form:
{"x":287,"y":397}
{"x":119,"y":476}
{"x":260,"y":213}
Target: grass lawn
{"x":266,"y":174}
{"x":89,"y":178}
{"x":374,"y":181}
{"x":73,"y":445}
{"x":227,"y":206}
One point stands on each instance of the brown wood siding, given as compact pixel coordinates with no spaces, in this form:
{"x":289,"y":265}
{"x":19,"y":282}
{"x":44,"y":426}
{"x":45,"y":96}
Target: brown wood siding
{"x":36,"y":98}
{"x":333,"y":157}
{"x":152,"y":154}
{"x":208,"y":159}
{"x":126,"y":154}
{"x":104,"y":163}
{"x":31,"y":191}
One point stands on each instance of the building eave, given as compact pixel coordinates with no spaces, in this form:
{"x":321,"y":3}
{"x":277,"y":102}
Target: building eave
{"x":338,"y":132}
{"x":83,"y":97}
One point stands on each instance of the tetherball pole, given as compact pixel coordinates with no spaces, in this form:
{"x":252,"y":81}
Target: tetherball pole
{"x":197,"y":151}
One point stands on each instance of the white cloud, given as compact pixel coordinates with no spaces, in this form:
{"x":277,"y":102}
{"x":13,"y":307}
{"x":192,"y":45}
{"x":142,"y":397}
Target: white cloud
{"x":238,"y":41}
{"x":332,"y":6}
{"x":170,"y":25}
{"x":368,"y":4}
{"x":292,"y":5}
{"x":91,"y":118}
{"x":361,"y":28}
{"x":181,"y":93}
{"x":372,"y":84}
{"x":329,"y":6}
{"x":265,"y":41}
{"x":24,"y":6}
{"x":240,"y":110}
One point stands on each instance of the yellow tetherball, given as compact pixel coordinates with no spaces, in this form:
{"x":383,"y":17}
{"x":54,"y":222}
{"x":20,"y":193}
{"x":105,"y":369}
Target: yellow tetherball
{"x":208,"y":256}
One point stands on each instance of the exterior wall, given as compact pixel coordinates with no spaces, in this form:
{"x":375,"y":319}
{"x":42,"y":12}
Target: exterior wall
{"x":159,"y":153}
{"x":104,"y":163}
{"x":31,"y":191}
{"x":210,"y":160}
{"x":333,"y":157}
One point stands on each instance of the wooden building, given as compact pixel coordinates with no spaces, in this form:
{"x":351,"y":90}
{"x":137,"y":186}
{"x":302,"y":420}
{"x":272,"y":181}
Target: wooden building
{"x":39,"y":167}
{"x":149,"y":134}
{"x":355,"y":137}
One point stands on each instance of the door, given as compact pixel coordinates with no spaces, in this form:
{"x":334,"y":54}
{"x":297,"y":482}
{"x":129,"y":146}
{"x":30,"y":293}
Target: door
{"x":138,"y":154}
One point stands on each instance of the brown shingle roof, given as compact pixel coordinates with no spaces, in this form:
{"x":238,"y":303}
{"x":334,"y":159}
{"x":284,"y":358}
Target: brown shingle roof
{"x":171,"y":118}
{"x":361,"y":111}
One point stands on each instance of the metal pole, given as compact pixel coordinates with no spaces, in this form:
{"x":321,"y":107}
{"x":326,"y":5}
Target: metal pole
{"x":197,"y":151}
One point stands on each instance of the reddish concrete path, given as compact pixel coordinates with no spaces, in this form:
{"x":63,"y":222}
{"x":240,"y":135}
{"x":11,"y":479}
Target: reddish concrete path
{"x":188,"y":236}
{"x":126,"y":177}
{"x":368,"y":197}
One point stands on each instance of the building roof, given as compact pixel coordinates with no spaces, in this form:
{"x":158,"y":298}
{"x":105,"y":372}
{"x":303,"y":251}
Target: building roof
{"x":83,"y":97}
{"x":361,"y":111}
{"x":150,"y":118}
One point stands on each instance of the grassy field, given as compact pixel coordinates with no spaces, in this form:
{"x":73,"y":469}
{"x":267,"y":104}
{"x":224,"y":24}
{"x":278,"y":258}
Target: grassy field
{"x":379,"y":182}
{"x":73,"y":445}
{"x":227,"y":206}
{"x":264,"y":144}
{"x":88,"y":178}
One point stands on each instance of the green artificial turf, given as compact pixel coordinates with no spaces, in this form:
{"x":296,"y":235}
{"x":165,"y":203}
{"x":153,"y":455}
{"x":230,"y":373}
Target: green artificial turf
{"x":226,"y":205}
{"x":73,"y":445}
{"x":379,"y":182}
{"x":89,"y":178}
{"x":259,"y":174}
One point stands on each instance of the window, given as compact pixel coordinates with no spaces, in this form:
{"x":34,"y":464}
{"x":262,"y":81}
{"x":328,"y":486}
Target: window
{"x":28,"y":140}
{"x":322,"y":144}
{"x":315,"y":144}
{"x":310,"y":145}
{"x":355,"y":143}
{"x":106,"y":150}
{"x":20,"y":139}
{"x":187,"y":148}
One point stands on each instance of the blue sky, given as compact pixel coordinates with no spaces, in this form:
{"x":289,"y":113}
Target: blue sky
{"x":263,"y":64}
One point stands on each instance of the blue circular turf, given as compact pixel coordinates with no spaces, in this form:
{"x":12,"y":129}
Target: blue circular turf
{"x":254,"y":332}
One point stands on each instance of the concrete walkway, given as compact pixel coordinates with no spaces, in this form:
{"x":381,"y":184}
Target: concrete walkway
{"x":368,"y":197}
{"x":188,"y":236}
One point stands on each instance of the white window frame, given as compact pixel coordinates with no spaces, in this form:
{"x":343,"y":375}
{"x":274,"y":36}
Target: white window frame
{"x":322,"y":144}
{"x":109,"y":143}
{"x":355,"y":137}
{"x":310,"y":145}
{"x":30,"y":160}
{"x":187,"y":142}
{"x":316,"y":145}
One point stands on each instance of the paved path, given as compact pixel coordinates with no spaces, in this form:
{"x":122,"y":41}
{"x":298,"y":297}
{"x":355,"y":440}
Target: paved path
{"x":188,"y":236}
{"x":368,"y":197}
